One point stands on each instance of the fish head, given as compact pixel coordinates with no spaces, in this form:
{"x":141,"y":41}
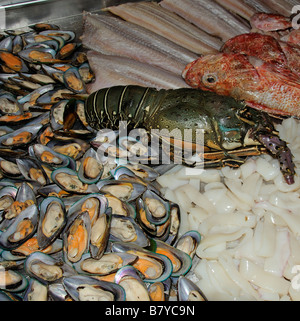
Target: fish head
{"x":227,"y":74}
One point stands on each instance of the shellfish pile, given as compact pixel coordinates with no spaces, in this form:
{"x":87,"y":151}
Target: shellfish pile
{"x":73,"y":226}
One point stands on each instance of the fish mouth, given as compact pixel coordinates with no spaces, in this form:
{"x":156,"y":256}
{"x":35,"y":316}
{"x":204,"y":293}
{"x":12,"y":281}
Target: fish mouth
{"x":187,"y":68}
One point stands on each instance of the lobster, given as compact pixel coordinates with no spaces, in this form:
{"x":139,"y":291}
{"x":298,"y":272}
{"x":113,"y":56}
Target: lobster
{"x":231,"y":130}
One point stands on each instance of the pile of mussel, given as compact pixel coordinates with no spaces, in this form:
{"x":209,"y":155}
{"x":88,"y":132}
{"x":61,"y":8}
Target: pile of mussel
{"x":75,"y":226}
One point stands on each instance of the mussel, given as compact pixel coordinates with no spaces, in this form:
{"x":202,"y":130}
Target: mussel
{"x":21,"y":229}
{"x":53,"y":219}
{"x":154,"y":267}
{"x":85,"y":288}
{"x":131,"y":281}
{"x":12,"y":281}
{"x":125,"y":191}
{"x":181,"y":261}
{"x":45,"y":268}
{"x":125,"y":229}
{"x":189,"y":291}
{"x":36,"y":291}
{"x":77,"y":237}
{"x":107,"y":264}
{"x":68,"y":180}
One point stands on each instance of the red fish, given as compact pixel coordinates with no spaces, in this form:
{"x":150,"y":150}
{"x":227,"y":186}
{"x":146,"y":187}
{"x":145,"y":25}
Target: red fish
{"x":271,"y":87}
{"x":270,"y":22}
{"x":267,"y":48}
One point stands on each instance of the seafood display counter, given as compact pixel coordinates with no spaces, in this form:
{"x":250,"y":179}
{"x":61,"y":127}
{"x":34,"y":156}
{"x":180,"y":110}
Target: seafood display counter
{"x":90,"y":213}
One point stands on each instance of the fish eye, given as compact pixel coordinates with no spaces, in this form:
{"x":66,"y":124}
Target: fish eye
{"x":211,"y":79}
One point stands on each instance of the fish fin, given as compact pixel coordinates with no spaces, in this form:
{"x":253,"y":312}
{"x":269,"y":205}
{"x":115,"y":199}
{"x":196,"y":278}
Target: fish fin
{"x":284,"y":74}
{"x":275,"y":72}
{"x":273,"y":112}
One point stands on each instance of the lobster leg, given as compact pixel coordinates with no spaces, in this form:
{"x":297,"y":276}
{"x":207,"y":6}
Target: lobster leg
{"x":232,"y":158}
{"x":280,"y":150}
{"x":264,"y":132}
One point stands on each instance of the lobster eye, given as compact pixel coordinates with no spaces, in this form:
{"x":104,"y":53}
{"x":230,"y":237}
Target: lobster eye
{"x":211,"y":79}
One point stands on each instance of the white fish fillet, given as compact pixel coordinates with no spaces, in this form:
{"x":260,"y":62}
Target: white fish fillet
{"x":281,"y":6}
{"x":113,"y":36}
{"x":115,"y":70}
{"x":110,"y":36}
{"x":210,"y":20}
{"x":176,"y":22}
{"x":238,"y":7}
{"x":259,"y":6}
{"x":134,"y":13}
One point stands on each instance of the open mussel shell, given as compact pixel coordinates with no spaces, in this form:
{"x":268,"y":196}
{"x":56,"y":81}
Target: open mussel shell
{"x":136,"y":150}
{"x":120,"y":207}
{"x":53,"y":219}
{"x":189,"y":291}
{"x":91,"y":169}
{"x":52,"y":190}
{"x":125,"y":229}
{"x":57,"y":292}
{"x":49,"y":157}
{"x":108,"y":263}
{"x":57,"y":115}
{"x":156,"y":208}
{"x":144,"y":172}
{"x":39,"y":27}
{"x":160,"y":291}
{"x":100,"y":233}
{"x":31,"y":246}
{"x":38,"y":55}
{"x":67,"y":35}
{"x":54,"y":73}
{"x":7,"y":197}
{"x":18,"y":120}
{"x":93,"y":203}
{"x":32,"y":97}
{"x":36,"y":291}
{"x":154,"y":267}
{"x":73,"y":81}
{"x":40,"y":78}
{"x":174,"y":224}
{"x":32,"y":170}
{"x":181,"y":261}
{"x":67,"y":50}
{"x":131,"y":281}
{"x":141,"y":217}
{"x":45,"y":268}
{"x":71,"y":147}
{"x":68,"y":180}
{"x":86,"y":73}
{"x":76,"y":237}
{"x":9,"y":104}
{"x":21,"y":229}
{"x":85,"y":288}
{"x":124,"y":190}
{"x":104,"y":136}
{"x":20,"y":137}
{"x":12,"y":281}
{"x":189,"y":242}
{"x":52,"y":96}
{"x":24,"y":198}
{"x":11,"y":62}
{"x":9,"y":168}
